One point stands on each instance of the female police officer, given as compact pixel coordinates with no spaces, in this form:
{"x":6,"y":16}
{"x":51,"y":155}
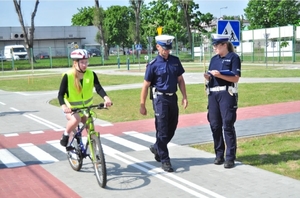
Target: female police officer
{"x":223,"y":74}
{"x":163,"y":74}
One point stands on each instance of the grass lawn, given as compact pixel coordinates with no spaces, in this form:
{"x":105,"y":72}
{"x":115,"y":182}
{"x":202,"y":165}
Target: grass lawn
{"x":278,"y":153}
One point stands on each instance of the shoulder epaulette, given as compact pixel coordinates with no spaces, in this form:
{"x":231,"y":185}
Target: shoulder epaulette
{"x":151,"y":62}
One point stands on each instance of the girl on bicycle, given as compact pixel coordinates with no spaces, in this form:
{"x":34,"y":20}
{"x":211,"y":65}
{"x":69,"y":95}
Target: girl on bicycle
{"x":76,"y":90}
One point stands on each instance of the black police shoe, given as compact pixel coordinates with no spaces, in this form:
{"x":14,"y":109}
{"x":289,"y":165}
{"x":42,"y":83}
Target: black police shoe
{"x":219,"y":161}
{"x":64,"y":140}
{"x":153,"y":150}
{"x":167,"y":166}
{"x":229,"y":164}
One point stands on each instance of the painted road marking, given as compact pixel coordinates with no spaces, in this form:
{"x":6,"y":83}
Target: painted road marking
{"x":38,"y":153}
{"x":9,"y":160}
{"x":160,"y":174}
{"x":144,"y":137}
{"x":11,"y":135}
{"x":56,"y":144}
{"x":124,"y":142}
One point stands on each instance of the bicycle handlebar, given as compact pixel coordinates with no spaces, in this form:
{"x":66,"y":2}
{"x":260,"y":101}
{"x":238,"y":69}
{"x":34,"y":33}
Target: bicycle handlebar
{"x":99,"y":106}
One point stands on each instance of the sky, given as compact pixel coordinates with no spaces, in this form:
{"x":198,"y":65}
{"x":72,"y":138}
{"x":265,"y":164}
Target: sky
{"x":60,"y":12}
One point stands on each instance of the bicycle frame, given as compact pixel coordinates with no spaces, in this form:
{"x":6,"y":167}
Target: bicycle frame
{"x":90,"y":131}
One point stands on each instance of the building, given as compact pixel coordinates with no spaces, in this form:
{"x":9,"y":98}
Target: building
{"x":57,"y":40}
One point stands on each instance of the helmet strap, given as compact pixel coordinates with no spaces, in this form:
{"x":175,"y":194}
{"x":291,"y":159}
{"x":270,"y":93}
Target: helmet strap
{"x":80,"y":70}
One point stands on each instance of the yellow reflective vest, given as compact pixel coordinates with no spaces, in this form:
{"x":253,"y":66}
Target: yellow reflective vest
{"x":85,"y":97}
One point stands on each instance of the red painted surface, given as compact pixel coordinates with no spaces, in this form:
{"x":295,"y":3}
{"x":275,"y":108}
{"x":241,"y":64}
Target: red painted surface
{"x":34,"y":181}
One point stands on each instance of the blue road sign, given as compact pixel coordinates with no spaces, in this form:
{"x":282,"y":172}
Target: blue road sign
{"x":138,"y":47}
{"x":231,"y":28}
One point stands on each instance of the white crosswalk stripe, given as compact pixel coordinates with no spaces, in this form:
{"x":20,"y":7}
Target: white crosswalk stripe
{"x":144,"y":137}
{"x":52,"y":151}
{"x":38,"y":153}
{"x":124,"y":142}
{"x":9,"y":159}
{"x":56,"y":144}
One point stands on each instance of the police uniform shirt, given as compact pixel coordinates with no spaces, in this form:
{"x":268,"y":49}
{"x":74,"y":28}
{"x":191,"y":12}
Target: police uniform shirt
{"x":163,"y":74}
{"x":230,"y":62}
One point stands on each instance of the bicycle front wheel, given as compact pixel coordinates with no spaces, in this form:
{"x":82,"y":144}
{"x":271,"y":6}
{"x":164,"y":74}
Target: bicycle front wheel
{"x":98,"y":160}
{"x":75,"y":157}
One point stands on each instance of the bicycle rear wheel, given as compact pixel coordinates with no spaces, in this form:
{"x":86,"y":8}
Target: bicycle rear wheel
{"x":99,"y":161}
{"x":75,"y":157}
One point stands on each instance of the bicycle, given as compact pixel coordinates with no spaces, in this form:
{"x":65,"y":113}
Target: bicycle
{"x":77,"y":151}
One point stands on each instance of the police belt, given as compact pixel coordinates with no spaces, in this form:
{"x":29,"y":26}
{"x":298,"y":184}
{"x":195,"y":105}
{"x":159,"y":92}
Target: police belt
{"x":223,"y":88}
{"x":166,"y":94}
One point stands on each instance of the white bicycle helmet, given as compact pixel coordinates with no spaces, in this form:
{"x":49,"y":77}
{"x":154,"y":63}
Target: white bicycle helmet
{"x":79,"y":54}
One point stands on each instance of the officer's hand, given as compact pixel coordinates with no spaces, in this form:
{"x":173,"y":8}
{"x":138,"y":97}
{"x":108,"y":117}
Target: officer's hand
{"x":143,"y":110}
{"x":215,"y":73}
{"x":207,"y":76}
{"x":184,"y":103}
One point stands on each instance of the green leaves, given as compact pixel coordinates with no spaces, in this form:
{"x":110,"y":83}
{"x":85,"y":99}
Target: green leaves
{"x":84,"y":17}
{"x":270,"y":13}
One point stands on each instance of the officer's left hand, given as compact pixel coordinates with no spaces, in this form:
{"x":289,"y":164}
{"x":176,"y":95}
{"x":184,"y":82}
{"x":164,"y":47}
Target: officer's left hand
{"x":215,"y":73}
{"x":184,"y":103}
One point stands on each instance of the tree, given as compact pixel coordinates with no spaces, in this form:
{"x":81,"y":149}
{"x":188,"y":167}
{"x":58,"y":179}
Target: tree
{"x":136,"y":5}
{"x":178,"y":18}
{"x":116,"y":22}
{"x":160,"y":14}
{"x":98,"y":22}
{"x":240,"y":18}
{"x":29,"y":32}
{"x":270,"y":13}
{"x":84,"y":17}
{"x":193,"y":20}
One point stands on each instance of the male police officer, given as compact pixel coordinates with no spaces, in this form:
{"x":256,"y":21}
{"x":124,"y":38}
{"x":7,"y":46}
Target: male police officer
{"x":163,"y":74}
{"x":223,"y":75}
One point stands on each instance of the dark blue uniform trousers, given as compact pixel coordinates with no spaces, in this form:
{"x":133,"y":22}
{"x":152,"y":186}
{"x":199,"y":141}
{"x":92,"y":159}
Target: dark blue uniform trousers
{"x":222,"y":113}
{"x":166,"y":120}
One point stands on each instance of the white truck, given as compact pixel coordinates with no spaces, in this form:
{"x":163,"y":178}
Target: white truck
{"x":17,"y":52}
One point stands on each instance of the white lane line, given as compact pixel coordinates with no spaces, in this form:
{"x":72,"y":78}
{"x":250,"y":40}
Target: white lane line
{"x":9,"y":160}
{"x":106,"y":124}
{"x":124,"y":142}
{"x":2,"y":103}
{"x":157,"y":172}
{"x":48,"y":125}
{"x":144,"y":137}
{"x":55,"y":126}
{"x":11,"y":135}
{"x":42,"y":121}
{"x":38,"y":153}
{"x":14,"y":109}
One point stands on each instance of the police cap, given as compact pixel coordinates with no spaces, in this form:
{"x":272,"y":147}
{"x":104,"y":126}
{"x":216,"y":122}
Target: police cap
{"x":165,"y":41}
{"x":219,"y":38}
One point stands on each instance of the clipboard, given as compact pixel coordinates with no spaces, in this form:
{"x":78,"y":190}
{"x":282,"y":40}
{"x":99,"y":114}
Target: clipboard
{"x":227,"y":73}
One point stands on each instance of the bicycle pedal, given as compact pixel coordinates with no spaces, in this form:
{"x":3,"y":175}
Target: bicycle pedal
{"x":70,"y":148}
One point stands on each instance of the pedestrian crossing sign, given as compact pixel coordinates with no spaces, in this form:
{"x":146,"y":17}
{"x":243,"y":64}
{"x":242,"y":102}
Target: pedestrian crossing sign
{"x":231,"y":28}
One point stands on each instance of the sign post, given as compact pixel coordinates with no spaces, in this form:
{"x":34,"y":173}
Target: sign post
{"x":139,"y":48}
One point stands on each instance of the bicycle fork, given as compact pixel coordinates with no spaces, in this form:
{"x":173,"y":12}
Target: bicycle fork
{"x":92,"y":156}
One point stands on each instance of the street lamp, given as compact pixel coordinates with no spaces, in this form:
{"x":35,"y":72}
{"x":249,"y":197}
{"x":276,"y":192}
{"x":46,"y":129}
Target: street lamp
{"x":221,"y":9}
